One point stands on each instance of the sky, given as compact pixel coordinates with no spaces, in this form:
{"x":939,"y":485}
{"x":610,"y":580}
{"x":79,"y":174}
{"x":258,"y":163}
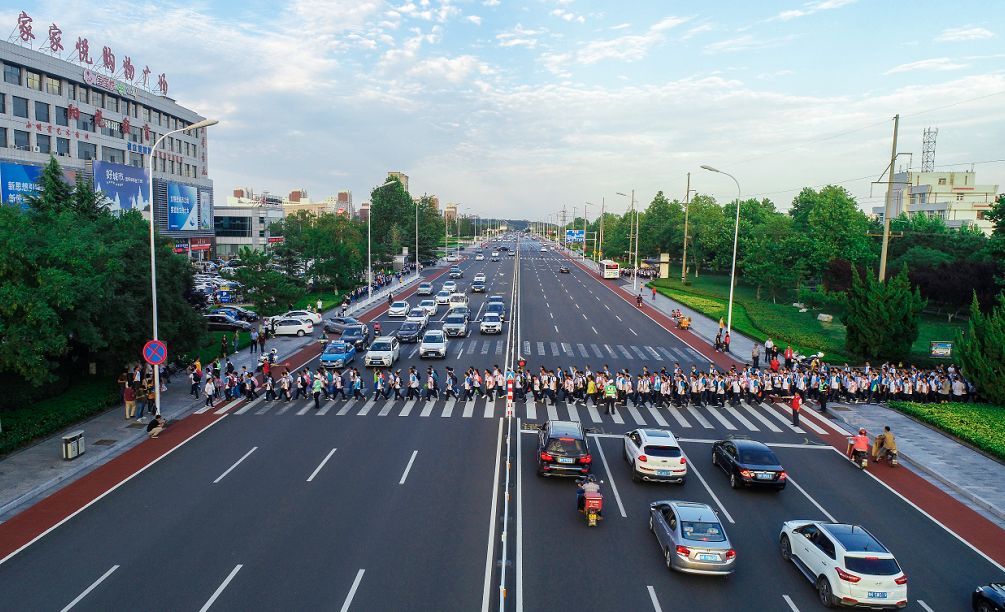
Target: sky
{"x":516,"y":108}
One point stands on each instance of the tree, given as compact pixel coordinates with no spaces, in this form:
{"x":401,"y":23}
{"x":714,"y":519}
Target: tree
{"x":981,"y":350}
{"x":708,"y":235}
{"x":661,"y":227}
{"x":881,"y":318}
{"x":997,"y":242}
{"x":772,"y":257}
{"x":834,"y":225}
{"x":269,"y":290}
{"x":55,"y":195}
{"x":392,"y":218}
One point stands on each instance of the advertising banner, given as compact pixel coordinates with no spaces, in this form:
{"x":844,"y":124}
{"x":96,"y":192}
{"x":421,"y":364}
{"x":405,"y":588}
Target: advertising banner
{"x":183,"y":207}
{"x":181,"y":245}
{"x":205,"y":210}
{"x":126,"y":187}
{"x":200,"y":244}
{"x":941,"y":349}
{"x":575,"y":235}
{"x":18,"y":182}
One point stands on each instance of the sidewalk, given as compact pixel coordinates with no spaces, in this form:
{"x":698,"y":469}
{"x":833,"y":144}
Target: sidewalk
{"x":39,"y":470}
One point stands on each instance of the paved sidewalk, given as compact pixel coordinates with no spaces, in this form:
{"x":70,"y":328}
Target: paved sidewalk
{"x":39,"y":470}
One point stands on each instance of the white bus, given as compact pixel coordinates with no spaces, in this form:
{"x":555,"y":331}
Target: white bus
{"x":610,"y":269}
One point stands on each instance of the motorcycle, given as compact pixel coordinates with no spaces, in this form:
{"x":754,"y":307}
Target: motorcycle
{"x":859,"y":457}
{"x":886,"y":454}
{"x":593,"y":504}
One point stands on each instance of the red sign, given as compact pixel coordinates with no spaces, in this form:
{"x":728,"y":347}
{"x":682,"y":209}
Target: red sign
{"x":155,"y":352}
{"x":24,"y":27}
{"x":274,"y":239}
{"x":200,"y":244}
{"x":55,"y":38}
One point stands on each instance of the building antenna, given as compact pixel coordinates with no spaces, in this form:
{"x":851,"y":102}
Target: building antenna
{"x":928,"y":149}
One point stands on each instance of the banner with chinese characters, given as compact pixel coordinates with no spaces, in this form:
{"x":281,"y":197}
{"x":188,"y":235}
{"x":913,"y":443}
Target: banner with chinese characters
{"x":18,"y":182}
{"x":126,"y":187}
{"x":205,"y":210}
{"x":183,"y":207}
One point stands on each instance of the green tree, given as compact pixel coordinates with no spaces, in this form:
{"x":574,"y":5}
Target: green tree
{"x":834,"y":225}
{"x":772,"y":257}
{"x":271,"y":291}
{"x":981,"y":350}
{"x":392,"y":215}
{"x":661,"y":228}
{"x":708,"y":235}
{"x":55,"y":195}
{"x":881,"y":318}
{"x":997,"y":245}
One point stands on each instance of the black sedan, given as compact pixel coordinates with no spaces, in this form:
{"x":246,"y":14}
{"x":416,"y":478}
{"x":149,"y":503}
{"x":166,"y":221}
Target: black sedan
{"x":748,"y":463}
{"x":989,"y":598}
{"x":335,"y":325}
{"x":357,"y":335}
{"x":410,"y":332}
{"x":222,"y":322}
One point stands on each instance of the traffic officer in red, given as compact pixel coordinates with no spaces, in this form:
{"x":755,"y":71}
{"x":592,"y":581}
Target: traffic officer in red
{"x":797,"y":404}
{"x":789,"y":354}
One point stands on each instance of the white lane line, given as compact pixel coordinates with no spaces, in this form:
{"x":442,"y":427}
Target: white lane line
{"x":487,"y":586}
{"x":519,"y":525}
{"x":321,"y":465}
{"x":228,"y":406}
{"x":656,"y":415}
{"x":803,"y":421}
{"x":490,"y":407}
{"x":610,"y":477}
{"x":573,"y":413}
{"x":764,"y":421}
{"x":407,"y":409}
{"x":785,"y":420}
{"x":619,"y":318}
{"x":594,"y":414}
{"x":94,"y":585}
{"x":652,"y":597}
{"x":813,"y":501}
{"x":594,"y":330}
{"x":250,"y":405}
{"x":267,"y":406}
{"x":427,"y":409}
{"x":367,"y":407}
{"x":221,"y":476}
{"x":352,"y":591}
{"x":550,"y":314}
{"x":675,"y":412}
{"x":304,"y":410}
{"x":792,"y":606}
{"x":386,"y":408}
{"x":635,"y":415}
{"x":469,"y":409}
{"x":531,"y":410}
{"x":408,"y":467}
{"x":220,"y":588}
{"x":585,"y":318}
{"x":739,"y":417}
{"x":617,"y":417}
{"x":710,"y":491}
{"x":699,"y":417}
{"x":448,"y":408}
{"x":552,"y":413}
{"x":822,"y":419}
{"x":326,"y":408}
{"x":633,"y":331}
{"x":556,"y":330}
{"x":925,"y":606}
{"x":607,"y":307}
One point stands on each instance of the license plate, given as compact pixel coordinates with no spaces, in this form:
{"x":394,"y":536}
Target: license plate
{"x":764,"y":476}
{"x":708,"y":557}
{"x":662,"y":472}
{"x":877,"y":594}
{"x":566,"y":460}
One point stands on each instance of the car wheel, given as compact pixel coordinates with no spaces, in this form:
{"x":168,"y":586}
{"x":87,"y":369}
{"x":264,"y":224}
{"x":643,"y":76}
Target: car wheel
{"x":669,"y":557}
{"x":824,"y":592}
{"x":715,"y":460}
{"x":734,"y":482}
{"x":300,"y":333}
{"x":635,"y":475}
{"x":682,"y":481}
{"x":984,"y":607}
{"x":786,"y":547}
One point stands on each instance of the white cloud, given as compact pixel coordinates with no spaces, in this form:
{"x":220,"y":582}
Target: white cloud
{"x":811,"y":7}
{"x":567,"y":15}
{"x":491,"y":3}
{"x":475,"y":19}
{"x":963,"y":34}
{"x":698,"y":29}
{"x":620,"y":26}
{"x":935,"y":63}
{"x":519,"y":36}
{"x":630,"y":47}
{"x":450,"y":69}
{"x":747,"y":42}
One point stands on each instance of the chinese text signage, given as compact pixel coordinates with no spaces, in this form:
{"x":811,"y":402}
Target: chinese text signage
{"x":183,"y":207}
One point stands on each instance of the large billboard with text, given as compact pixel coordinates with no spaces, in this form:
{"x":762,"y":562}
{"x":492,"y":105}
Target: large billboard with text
{"x":206,"y":210}
{"x":183,"y":207}
{"x":125,"y":187}
{"x":18,"y":181}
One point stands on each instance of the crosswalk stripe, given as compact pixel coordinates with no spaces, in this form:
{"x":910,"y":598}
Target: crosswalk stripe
{"x":635,"y":415}
{"x":345,"y":409}
{"x":608,"y":347}
{"x":414,"y":351}
{"x":667,"y":354}
{"x":469,"y":409}
{"x":499,"y":346}
{"x":267,"y":406}
{"x":625,"y":352}
{"x":617,"y":417}
{"x":448,"y":408}
{"x":718,"y":416}
{"x":764,"y":421}
{"x":540,"y":349}
{"x":328,"y":406}
{"x":485,"y":347}
{"x":427,"y":409}
{"x":739,"y":417}
{"x":526,"y":347}
{"x":638,"y":352}
{"x":532,"y":410}
{"x":596,"y":351}
{"x":388,"y":404}
{"x":490,"y":408}
{"x":227,"y":406}
{"x":554,"y":349}
{"x":567,"y":348}
{"x":698,"y":417}
{"x":367,"y":407}
{"x":803,"y":421}
{"x":303,"y":410}
{"x":784,"y":420}
{"x":552,"y":412}
{"x":594,"y":413}
{"x":249,"y":405}
{"x":573,"y":412}
{"x":656,"y":355}
{"x":823,"y":419}
{"x":582,"y":350}
{"x":657,"y":416}
{"x":284,"y":409}
{"x":407,"y":409}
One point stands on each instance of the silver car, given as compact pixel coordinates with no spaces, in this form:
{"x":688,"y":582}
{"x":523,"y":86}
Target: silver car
{"x":425,"y":288}
{"x":455,"y":325}
{"x":434,"y":344}
{"x":691,"y":537}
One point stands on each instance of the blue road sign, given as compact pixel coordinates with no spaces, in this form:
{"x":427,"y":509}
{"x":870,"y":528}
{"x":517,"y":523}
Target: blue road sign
{"x":155,"y":352}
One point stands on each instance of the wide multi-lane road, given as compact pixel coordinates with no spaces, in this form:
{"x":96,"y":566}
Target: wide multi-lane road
{"x":374,"y":505}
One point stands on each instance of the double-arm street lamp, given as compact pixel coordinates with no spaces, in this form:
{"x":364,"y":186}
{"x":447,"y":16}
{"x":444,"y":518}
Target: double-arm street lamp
{"x":736,"y":237}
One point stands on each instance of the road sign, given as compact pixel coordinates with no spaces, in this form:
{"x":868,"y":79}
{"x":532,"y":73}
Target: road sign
{"x":155,"y":352}
{"x":573,"y":235}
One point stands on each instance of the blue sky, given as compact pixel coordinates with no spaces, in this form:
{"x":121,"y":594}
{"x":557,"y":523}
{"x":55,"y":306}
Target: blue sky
{"x":514,"y":108}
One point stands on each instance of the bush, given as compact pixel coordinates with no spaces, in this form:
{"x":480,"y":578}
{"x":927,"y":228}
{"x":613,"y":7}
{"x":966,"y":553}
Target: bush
{"x":29,"y":423}
{"x":821,"y":298}
{"x":976,"y":424}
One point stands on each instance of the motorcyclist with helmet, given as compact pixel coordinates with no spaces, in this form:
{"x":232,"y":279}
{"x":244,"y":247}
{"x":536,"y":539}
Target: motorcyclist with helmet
{"x":585,"y":485}
{"x":859,"y":443}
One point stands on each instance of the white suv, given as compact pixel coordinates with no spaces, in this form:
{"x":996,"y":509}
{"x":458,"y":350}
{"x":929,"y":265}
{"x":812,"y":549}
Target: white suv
{"x":383,"y":352}
{"x":491,"y":324}
{"x":479,"y":277}
{"x":845,"y":563}
{"x":434,"y":344}
{"x":654,"y":454}
{"x":425,"y":288}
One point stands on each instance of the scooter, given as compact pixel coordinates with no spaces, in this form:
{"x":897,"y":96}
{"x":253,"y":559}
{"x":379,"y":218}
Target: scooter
{"x":593,"y":505}
{"x":889,"y":455}
{"x":859,"y":457}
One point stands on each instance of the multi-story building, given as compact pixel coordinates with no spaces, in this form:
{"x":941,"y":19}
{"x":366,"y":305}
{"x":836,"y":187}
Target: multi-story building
{"x":401,"y":176}
{"x":363,"y":214}
{"x":298,"y":200}
{"x":104,"y":129}
{"x":450,"y":212}
{"x":344,"y":201}
{"x":245,"y":220}
{"x":954,"y":197}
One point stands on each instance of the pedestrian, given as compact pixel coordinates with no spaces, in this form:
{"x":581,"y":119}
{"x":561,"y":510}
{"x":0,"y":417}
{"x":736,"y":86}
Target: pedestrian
{"x":316,"y":387}
{"x":319,"y":305}
{"x":654,"y":294}
{"x":156,"y":426}
{"x":237,"y":337}
{"x":210,"y":391}
{"x":755,"y":356}
{"x":725,"y":342}
{"x":254,"y":341}
{"x":797,"y":403}
{"x":261,"y":340}
{"x":610,"y":394}
{"x":223,"y":346}
{"x":129,"y":396}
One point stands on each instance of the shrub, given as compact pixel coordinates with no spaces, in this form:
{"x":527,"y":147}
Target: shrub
{"x":977,"y":424}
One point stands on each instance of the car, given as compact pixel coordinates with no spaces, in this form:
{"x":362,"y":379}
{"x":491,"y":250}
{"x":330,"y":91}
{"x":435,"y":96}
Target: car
{"x":443,"y":297}
{"x":490,"y":324}
{"x":434,"y":344}
{"x":562,"y":449}
{"x":356,"y":335}
{"x":409,"y":332}
{"x":461,"y":310}
{"x":480,"y":257}
{"x":449,"y":286}
{"x":504,"y":248}
{"x":455,"y":272}
{"x":748,"y":463}
{"x":430,"y":306}
{"x":845,"y":563}
{"x":425,"y":288}
{"x":338,"y":354}
{"x":236,"y":312}
{"x":495,"y":256}
{"x":563,"y":269}
{"x":989,"y":598}
{"x":224,"y":322}
{"x":479,"y":277}
{"x":383,"y":352}
{"x":399,"y":308}
{"x":306,"y":315}
{"x":458,"y":299}
{"x":497,"y":308}
{"x":544,"y":249}
{"x":511,"y":254}
{"x":453,"y":257}
{"x":418,"y":315}
{"x":495,"y":298}
{"x":478,"y":287}
{"x":654,"y":455}
{"x":290,"y":326}
{"x":455,"y":325}
{"x":335,"y":325}
{"x":692,"y":537}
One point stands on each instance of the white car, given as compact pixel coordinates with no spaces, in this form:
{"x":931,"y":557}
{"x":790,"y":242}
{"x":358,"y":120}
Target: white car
{"x":491,"y":324}
{"x":425,"y":288}
{"x":845,"y":563}
{"x":480,"y":257}
{"x":418,"y":315}
{"x":306,"y":315}
{"x":495,"y":256}
{"x":479,"y":277}
{"x":430,"y":306}
{"x":443,"y":297}
{"x":654,"y":454}
{"x":544,"y":249}
{"x":458,"y":299}
{"x":453,"y":258}
{"x":450,"y":286}
{"x":398,"y":309}
{"x":434,"y":344}
{"x":383,"y":352}
{"x":289,"y":326}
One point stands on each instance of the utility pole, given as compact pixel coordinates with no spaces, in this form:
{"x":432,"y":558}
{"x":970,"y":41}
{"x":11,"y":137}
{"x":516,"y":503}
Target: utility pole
{"x":687,"y":210}
{"x":600,"y":249}
{"x":574,"y":218}
{"x":585,"y":206}
{"x":635,"y":272}
{"x":889,"y":202}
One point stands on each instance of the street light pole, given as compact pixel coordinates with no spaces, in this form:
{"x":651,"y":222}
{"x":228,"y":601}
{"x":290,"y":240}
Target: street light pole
{"x":687,"y":209}
{"x":631,"y":225}
{"x":153,"y":253}
{"x":736,"y":238}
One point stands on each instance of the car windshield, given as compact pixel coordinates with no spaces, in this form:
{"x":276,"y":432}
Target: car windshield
{"x":491,"y":317}
{"x":354,"y":330}
{"x":336,"y":348}
{"x":433,"y":337}
{"x":494,"y":307}
{"x":873,"y":566}
{"x":383,"y":345}
{"x":662,"y":451}
{"x":455,"y":319}
{"x":409,"y":327}
{"x":400,"y":305}
{"x":427,"y":303}
{"x":758,"y":456}
{"x":566,"y":446}
{"x":702,"y":531}
{"x":416,"y":312}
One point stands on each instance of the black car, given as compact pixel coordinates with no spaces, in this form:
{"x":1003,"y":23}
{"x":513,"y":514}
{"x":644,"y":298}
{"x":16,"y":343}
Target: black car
{"x":223,"y":322}
{"x":748,"y":463}
{"x":562,"y":449}
{"x":239,"y":313}
{"x":497,"y":307}
{"x":335,"y":325}
{"x":989,"y":598}
{"x":410,"y":332}
{"x":504,"y":248}
{"x":478,"y":287}
{"x":357,"y":335}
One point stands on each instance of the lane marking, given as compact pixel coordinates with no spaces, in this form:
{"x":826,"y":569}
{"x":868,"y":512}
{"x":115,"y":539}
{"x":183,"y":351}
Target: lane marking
{"x":352,"y":591}
{"x":249,"y":405}
{"x":676,"y":414}
{"x":764,"y":421}
{"x":86,"y":591}
{"x":813,"y":501}
{"x":489,"y":409}
{"x":698,"y":417}
{"x":519,"y":526}
{"x":220,"y":588}
{"x":718,"y":416}
{"x":321,"y":465}
{"x":652,"y":597}
{"x":802,"y":421}
{"x":388,"y":404}
{"x":408,"y":467}
{"x":303,"y":410}
{"x":367,"y":407}
{"x":594,"y":414}
{"x":407,"y":409}
{"x":709,"y":489}
{"x":656,"y":415}
{"x":221,"y":476}
{"x":606,"y":306}
{"x":486,"y":588}
{"x":427,"y":409}
{"x":573,"y":412}
{"x":925,"y":606}
{"x":635,"y":415}
{"x":633,"y":331}
{"x":619,"y":318}
{"x":326,"y":408}
{"x":556,"y":330}
{"x":532,"y":410}
{"x":345,"y":409}
{"x":739,"y":417}
{"x":610,"y":477}
{"x":594,"y":331}
{"x":792,"y":606}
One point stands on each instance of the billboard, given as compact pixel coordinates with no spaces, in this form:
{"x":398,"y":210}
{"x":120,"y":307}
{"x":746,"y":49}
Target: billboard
{"x":577,"y":236}
{"x":126,"y":187}
{"x":205,"y":210}
{"x":941,"y":349}
{"x":183,"y":207}
{"x":17,"y":181}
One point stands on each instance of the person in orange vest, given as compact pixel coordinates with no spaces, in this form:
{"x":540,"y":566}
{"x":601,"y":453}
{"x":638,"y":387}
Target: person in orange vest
{"x":797,"y":404}
{"x":788,"y":357}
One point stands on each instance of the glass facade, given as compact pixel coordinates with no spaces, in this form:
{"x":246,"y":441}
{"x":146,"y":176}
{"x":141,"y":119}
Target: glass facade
{"x":42,"y":112}
{"x":233,"y":227}
{"x":21,"y":139}
{"x":44,"y":143}
{"x":12,"y":74}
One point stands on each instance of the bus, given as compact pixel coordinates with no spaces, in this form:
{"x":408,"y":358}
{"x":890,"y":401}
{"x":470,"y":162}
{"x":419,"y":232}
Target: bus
{"x":610,"y":269}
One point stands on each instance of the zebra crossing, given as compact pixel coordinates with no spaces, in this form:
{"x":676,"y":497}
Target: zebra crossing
{"x":739,"y":419}
{"x":628,"y":352}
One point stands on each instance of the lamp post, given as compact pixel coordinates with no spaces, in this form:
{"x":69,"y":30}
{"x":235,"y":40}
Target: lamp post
{"x":687,"y":209}
{"x":153,"y":254}
{"x":635,"y":267}
{"x":736,"y":237}
{"x":369,"y":244}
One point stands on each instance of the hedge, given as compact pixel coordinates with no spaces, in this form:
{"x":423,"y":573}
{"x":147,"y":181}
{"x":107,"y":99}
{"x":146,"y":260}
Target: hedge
{"x":982,"y":425}
{"x":23,"y":426}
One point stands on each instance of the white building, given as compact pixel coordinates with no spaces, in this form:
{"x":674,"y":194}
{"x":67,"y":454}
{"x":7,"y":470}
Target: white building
{"x":244,"y":220}
{"x":954,"y":197}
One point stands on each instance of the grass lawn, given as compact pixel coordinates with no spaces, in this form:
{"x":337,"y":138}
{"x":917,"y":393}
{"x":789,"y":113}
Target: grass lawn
{"x":977,"y":424}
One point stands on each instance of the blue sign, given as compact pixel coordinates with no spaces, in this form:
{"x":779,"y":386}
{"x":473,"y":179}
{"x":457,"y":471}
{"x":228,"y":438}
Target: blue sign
{"x":126,"y":187}
{"x":183,"y":207}
{"x":138,"y":148}
{"x":18,"y":182}
{"x":575,"y":235}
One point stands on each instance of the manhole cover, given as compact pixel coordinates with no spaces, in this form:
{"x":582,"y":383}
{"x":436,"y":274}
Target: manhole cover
{"x":103,"y":442}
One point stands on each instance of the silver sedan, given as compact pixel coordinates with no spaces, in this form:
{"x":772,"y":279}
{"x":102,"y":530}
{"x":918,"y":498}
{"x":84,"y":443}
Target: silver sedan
{"x":691,"y":537}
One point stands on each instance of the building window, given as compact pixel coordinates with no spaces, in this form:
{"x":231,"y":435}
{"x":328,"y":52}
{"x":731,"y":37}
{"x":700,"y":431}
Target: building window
{"x":21,"y":139}
{"x":233,"y":227}
{"x":41,"y":112}
{"x":12,"y":74}
{"x":145,"y":113}
{"x":62,"y":118}
{"x":81,"y":94}
{"x":959,"y":197}
{"x":33,"y":81}
{"x":942,"y":181}
{"x":71,"y":91}
{"x":111,"y":103}
{"x":171,"y":168}
{"x":20,"y":107}
{"x":135,"y":134}
{"x":112,"y":128}
{"x":111,"y":154}
{"x":86,"y":150}
{"x":43,"y":143}
{"x":52,"y":86}
{"x":3,"y":104}
{"x":62,"y":146}
{"x":136,"y":160}
{"x":85,"y":122}
{"x":3,"y":138}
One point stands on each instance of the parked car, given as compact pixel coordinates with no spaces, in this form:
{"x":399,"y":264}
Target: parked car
{"x":239,"y":313}
{"x":338,"y":354}
{"x":290,"y":326}
{"x":223,"y":322}
{"x":691,"y":537}
{"x":383,"y":352}
{"x":434,"y":344}
{"x":306,"y":315}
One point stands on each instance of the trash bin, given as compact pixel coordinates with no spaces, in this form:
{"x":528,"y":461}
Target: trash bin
{"x":73,"y":444}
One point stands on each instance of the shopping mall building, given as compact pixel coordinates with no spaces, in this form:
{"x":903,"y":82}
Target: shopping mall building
{"x":102,"y":123}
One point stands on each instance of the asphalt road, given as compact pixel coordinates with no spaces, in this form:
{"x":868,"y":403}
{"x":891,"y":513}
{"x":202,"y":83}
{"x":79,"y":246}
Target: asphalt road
{"x":400,"y":505}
